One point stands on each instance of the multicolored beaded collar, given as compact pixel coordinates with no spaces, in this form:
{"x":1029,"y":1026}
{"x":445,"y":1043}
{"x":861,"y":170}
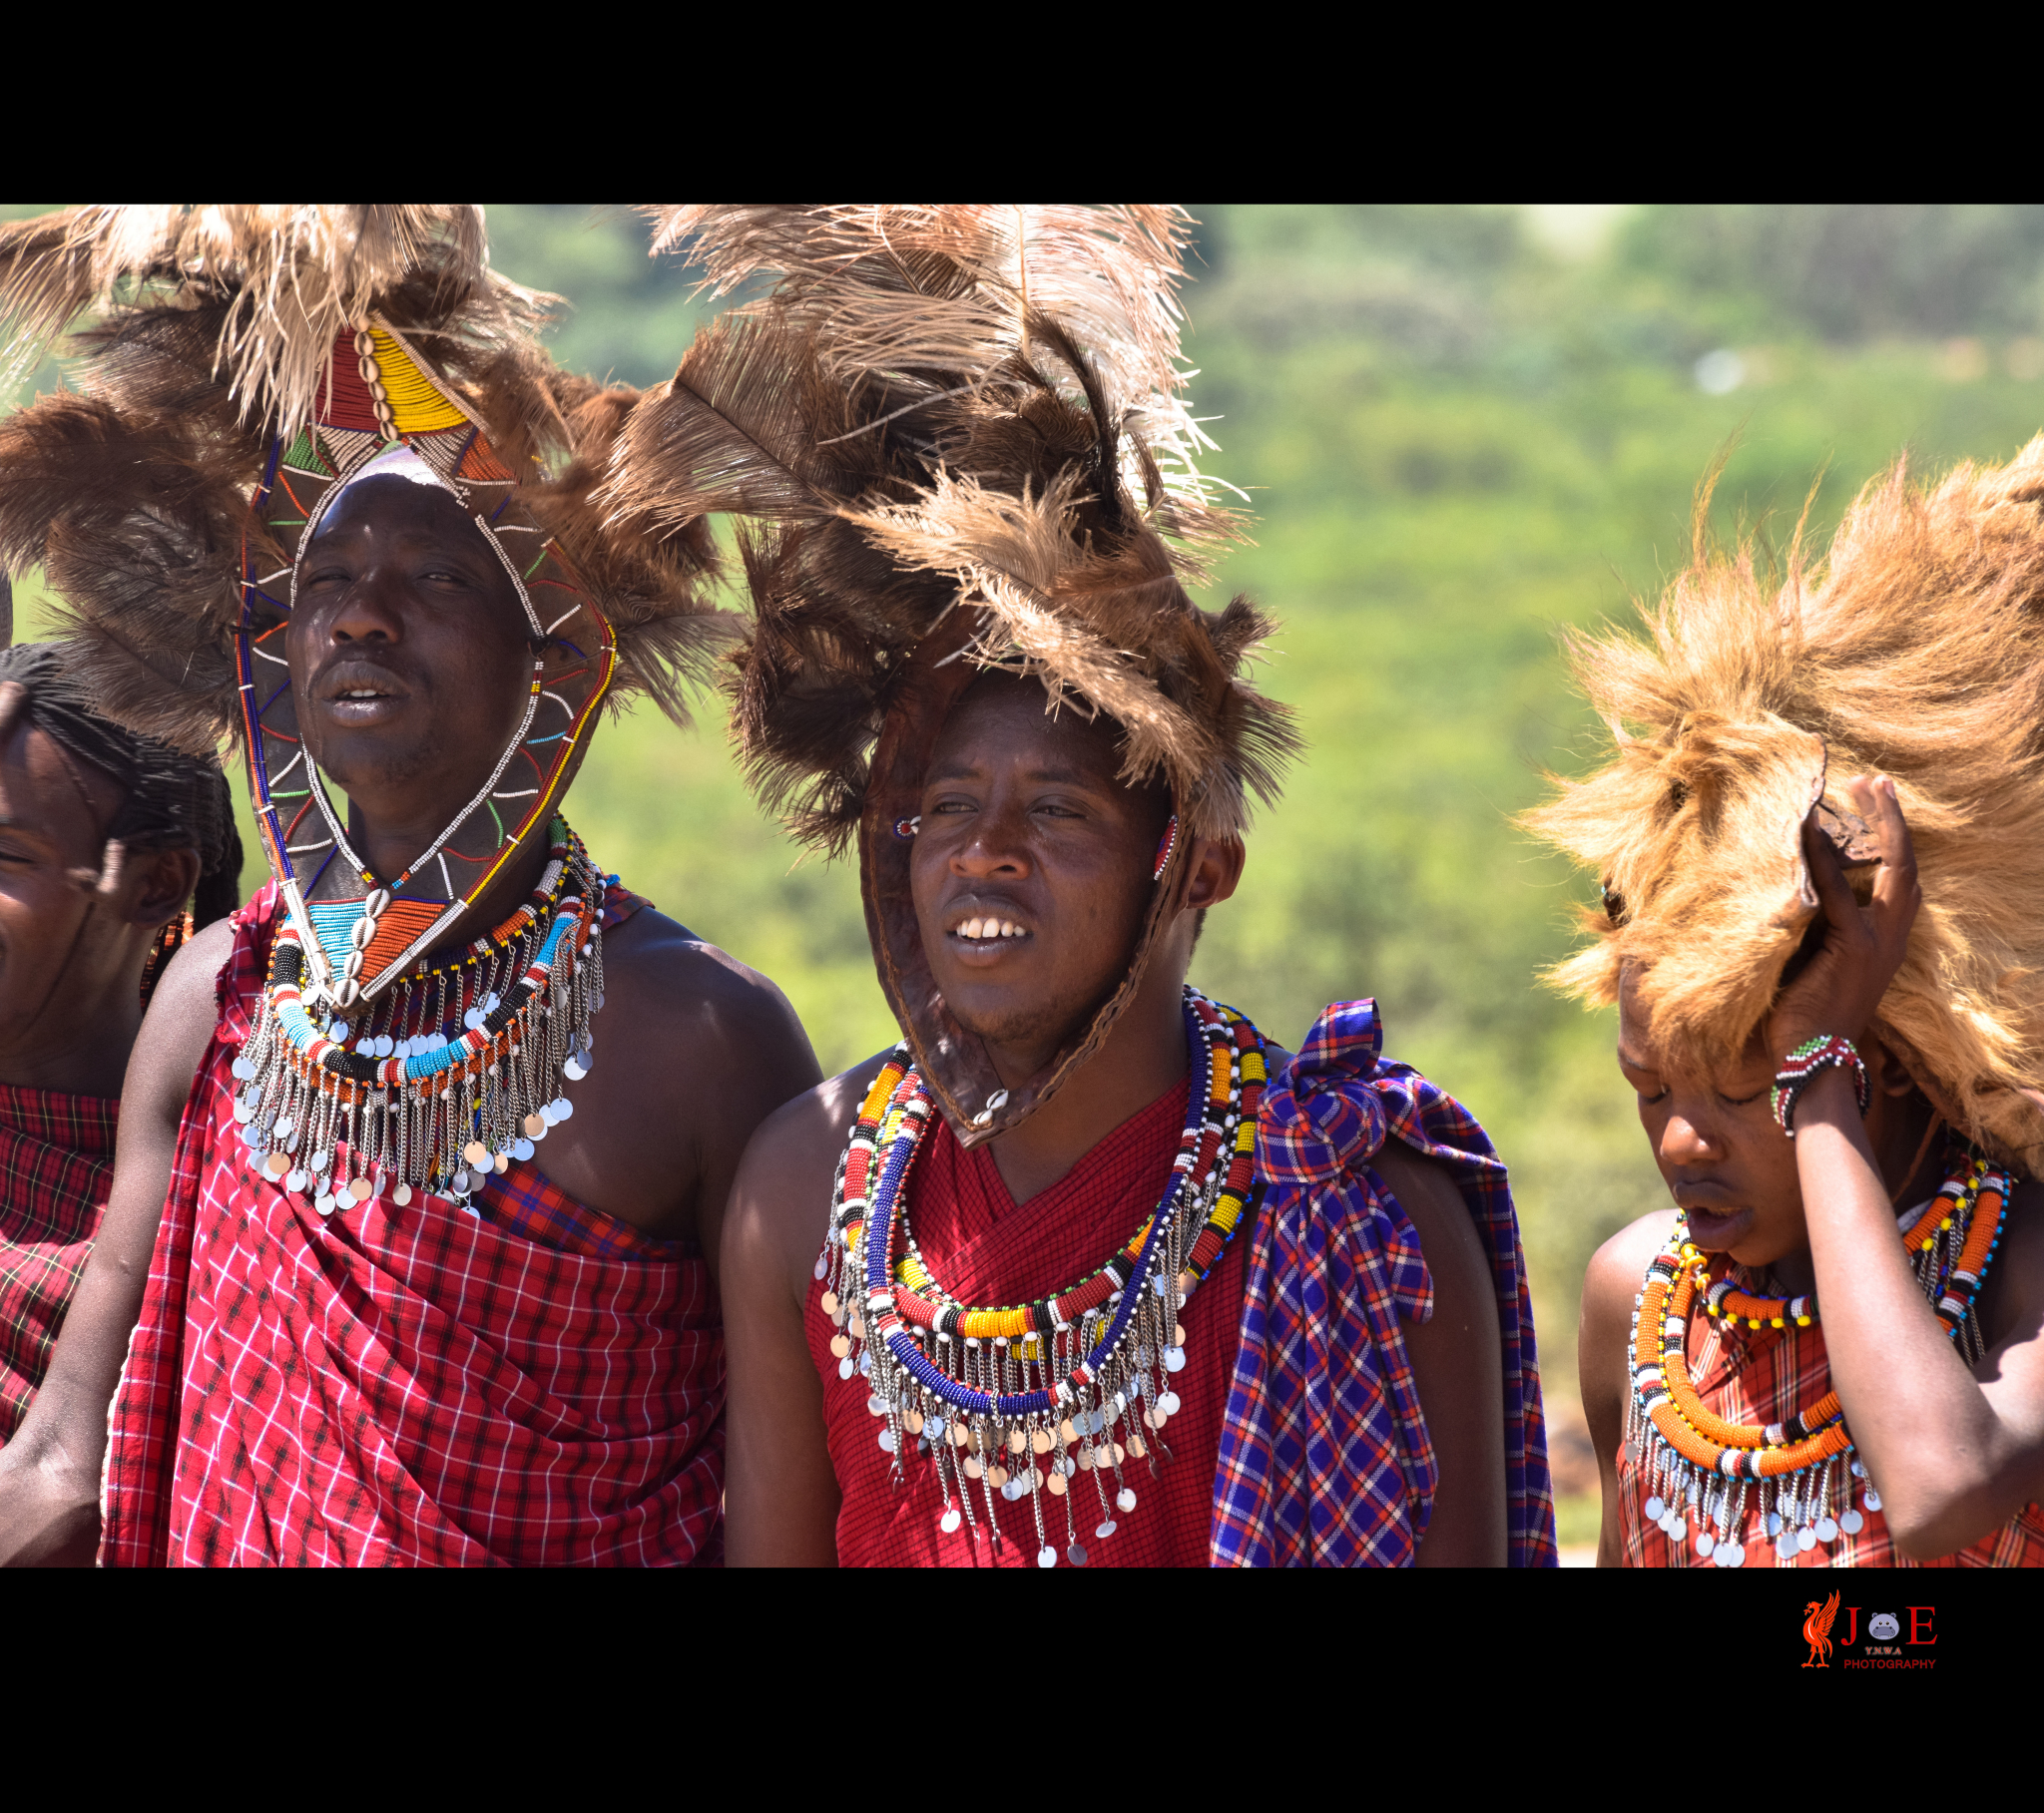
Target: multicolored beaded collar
{"x":449,"y":1075}
{"x":1695,"y":1464}
{"x":1078,"y":1376}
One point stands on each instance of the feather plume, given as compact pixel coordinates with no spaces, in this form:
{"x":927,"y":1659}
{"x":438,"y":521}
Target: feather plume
{"x":936,"y":407}
{"x":293,"y":276}
{"x":209,"y":336}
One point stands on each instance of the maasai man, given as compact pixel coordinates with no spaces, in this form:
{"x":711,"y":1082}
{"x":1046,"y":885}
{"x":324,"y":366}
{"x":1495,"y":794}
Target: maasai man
{"x":371,"y":1323}
{"x":1831,"y":1352}
{"x":1171,"y":1295}
{"x":113,"y":848}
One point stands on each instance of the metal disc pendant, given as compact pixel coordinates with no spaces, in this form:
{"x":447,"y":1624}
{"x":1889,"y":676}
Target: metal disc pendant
{"x":1105,"y":1531}
{"x":1046,"y":1557}
{"x":1805,"y":1540}
{"x":1827,"y":1530}
{"x":1870,"y":1498}
{"x":1851,"y":1523}
{"x":949,"y":1523}
{"x":1706,"y":1542}
{"x":1656,"y":1509}
{"x":1076,"y":1556}
{"x":1785,"y":1544}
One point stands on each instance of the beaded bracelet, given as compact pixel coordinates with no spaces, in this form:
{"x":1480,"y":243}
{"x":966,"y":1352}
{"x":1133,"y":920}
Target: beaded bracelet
{"x":1824,"y":1052}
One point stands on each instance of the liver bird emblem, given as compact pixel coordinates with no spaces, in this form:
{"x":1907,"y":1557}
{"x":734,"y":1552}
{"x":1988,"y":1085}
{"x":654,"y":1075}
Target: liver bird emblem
{"x":1816,"y":1630}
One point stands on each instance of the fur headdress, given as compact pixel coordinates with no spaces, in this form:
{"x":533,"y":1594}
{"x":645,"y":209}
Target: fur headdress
{"x":1917,"y":651}
{"x":956,"y":432}
{"x":242,"y":364}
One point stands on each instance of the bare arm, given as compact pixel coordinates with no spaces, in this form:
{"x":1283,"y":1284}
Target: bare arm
{"x":50,"y":1472}
{"x":1457,"y":1368}
{"x":1954,"y":1451}
{"x":780,"y":1493}
{"x":1603,"y":1369}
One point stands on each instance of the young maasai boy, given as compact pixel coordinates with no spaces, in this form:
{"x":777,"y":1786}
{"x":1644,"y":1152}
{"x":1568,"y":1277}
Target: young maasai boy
{"x":1830,"y":1353}
{"x":1103,"y":1275}
{"x":105,"y":837}
{"x":371,"y":1323}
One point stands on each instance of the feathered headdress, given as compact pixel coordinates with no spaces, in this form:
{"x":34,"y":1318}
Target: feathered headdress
{"x":1917,"y":651}
{"x":241,"y":365}
{"x":954,"y":432}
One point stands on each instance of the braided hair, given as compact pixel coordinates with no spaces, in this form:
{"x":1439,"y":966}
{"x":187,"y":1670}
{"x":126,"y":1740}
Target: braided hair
{"x":173,"y":800}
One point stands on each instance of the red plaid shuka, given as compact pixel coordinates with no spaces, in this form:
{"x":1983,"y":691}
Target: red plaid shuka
{"x":1324,"y":1455}
{"x":1762,"y":1376}
{"x":539,"y":1385}
{"x":56,"y":1163}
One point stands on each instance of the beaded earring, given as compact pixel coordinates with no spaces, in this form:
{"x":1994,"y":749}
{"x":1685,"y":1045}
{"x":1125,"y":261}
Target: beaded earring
{"x":1165,"y":846}
{"x":905,"y":828}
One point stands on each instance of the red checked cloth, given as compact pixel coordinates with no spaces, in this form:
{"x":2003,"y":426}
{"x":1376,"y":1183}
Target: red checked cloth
{"x":540,"y":1386}
{"x":56,"y":1164}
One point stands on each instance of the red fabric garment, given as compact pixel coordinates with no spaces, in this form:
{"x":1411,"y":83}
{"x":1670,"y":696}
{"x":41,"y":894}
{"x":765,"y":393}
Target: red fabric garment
{"x":537,"y":1385}
{"x":988,"y":1249}
{"x":1765,"y":1376}
{"x":56,"y":1166}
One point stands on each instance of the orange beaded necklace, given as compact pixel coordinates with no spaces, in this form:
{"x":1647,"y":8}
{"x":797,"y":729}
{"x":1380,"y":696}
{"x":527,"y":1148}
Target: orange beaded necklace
{"x":1695,"y":1464}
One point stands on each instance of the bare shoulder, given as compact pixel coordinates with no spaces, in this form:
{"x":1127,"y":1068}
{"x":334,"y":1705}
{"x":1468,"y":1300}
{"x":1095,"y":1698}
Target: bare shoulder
{"x":656,"y":970}
{"x":1610,"y":1285}
{"x":1617,"y":1267}
{"x":780,"y":1201}
{"x":1426,"y":1189}
{"x":179,"y":1026}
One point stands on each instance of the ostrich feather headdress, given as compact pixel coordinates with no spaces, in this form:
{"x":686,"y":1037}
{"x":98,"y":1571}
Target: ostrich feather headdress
{"x":1916,"y":649}
{"x":237,"y":367}
{"x":957,"y":438}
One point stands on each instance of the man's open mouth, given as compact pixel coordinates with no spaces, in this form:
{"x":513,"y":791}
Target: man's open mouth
{"x":988,"y":930}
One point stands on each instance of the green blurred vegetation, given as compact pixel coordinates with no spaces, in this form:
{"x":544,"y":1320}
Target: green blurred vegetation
{"x":1463,"y":429}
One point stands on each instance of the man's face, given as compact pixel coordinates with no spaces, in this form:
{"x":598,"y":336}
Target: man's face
{"x":408,"y":648}
{"x":1032,"y":871}
{"x":1716,"y":1144}
{"x":53,"y":819}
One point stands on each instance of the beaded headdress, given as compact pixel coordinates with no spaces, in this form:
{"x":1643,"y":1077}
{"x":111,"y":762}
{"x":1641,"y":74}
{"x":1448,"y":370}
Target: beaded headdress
{"x":958,"y":439}
{"x":1915,"y":649}
{"x":245,"y":364}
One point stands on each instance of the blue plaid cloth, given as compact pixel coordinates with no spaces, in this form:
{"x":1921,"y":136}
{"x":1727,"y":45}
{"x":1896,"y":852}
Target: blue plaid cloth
{"x":1324,"y":1455}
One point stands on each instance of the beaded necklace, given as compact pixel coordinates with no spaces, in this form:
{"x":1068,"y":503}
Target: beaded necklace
{"x":1695,"y":1463}
{"x":1079,"y":1378}
{"x":451,"y":1073}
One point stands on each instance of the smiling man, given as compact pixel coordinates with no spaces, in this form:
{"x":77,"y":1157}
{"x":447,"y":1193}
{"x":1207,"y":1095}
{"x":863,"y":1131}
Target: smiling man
{"x":1086,"y":1271}
{"x":410,"y":1251}
{"x":105,"y":837}
{"x":1829,"y":1351}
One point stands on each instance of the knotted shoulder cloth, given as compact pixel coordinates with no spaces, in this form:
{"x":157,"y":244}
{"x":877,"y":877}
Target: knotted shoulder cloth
{"x":1324,"y":1455}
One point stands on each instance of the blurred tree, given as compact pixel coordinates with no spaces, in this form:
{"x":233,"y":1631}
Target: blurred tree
{"x":1851,"y":270}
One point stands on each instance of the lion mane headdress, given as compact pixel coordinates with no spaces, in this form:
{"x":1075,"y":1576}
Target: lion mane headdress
{"x":239,"y":365}
{"x":1915,"y":649}
{"x":956,"y":439}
